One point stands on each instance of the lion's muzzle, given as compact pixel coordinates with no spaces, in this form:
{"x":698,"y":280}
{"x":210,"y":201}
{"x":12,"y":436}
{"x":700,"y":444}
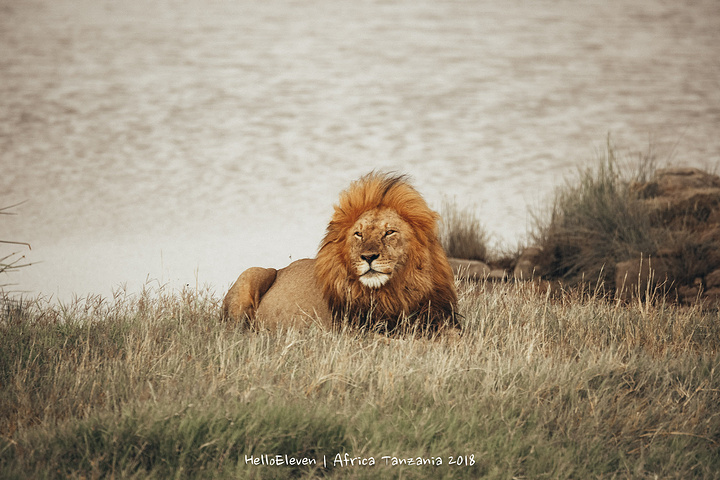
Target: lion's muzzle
{"x":373,"y":273}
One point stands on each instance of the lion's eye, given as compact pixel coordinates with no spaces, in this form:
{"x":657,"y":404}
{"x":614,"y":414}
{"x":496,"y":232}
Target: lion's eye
{"x":358,"y":234}
{"x":389,"y":232}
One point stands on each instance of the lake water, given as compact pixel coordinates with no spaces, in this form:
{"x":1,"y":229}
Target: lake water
{"x":180,"y":142}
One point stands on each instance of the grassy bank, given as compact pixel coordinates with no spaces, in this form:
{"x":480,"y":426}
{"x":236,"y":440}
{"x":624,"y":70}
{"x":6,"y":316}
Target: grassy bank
{"x":154,"y":386}
{"x":595,"y":220}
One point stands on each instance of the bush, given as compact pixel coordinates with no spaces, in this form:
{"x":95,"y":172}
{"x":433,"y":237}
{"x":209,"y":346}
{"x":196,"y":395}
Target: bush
{"x":461,"y":233}
{"x":596,"y":221}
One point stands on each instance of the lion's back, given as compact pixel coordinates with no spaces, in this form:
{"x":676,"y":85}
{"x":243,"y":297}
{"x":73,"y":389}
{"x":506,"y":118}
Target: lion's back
{"x":295,"y":298}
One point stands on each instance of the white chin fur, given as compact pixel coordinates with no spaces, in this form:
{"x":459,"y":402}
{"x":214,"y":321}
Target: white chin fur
{"x":374,"y":280}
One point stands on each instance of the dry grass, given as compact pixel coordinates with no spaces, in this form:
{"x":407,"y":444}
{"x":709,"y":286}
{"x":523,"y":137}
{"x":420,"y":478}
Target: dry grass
{"x":595,"y":221}
{"x":462,"y":234}
{"x":10,"y":262}
{"x":155,"y":386}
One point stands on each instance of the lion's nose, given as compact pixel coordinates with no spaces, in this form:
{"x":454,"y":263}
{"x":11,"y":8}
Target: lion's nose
{"x":369,"y":258}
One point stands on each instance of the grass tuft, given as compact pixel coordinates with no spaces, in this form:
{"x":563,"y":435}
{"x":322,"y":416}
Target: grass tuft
{"x":595,"y":221}
{"x":462,"y":234}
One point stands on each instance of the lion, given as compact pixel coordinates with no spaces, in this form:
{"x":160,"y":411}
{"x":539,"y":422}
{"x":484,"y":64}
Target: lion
{"x":379,"y":266}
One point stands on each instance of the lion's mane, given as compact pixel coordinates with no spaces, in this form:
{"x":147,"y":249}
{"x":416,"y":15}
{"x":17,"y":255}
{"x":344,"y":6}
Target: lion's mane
{"x":424,"y":289}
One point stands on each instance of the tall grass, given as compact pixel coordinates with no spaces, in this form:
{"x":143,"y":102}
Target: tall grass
{"x":595,"y":221}
{"x":155,"y":386}
{"x":461,"y":232}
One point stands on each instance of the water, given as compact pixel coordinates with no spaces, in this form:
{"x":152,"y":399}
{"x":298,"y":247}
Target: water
{"x":181,"y":142}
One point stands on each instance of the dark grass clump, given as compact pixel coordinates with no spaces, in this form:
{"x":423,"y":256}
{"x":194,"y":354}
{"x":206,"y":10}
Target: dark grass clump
{"x":186,"y":439}
{"x":462,"y":234}
{"x":596,"y":221}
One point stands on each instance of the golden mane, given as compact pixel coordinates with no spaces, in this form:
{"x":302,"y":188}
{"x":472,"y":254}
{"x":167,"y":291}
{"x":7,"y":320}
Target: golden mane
{"x":424,"y":290}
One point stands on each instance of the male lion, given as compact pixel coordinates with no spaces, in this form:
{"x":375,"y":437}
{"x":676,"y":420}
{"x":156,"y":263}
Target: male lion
{"x":380,"y":265}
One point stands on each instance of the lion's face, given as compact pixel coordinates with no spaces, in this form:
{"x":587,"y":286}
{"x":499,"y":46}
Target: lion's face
{"x":381,"y":256}
{"x":377,"y":246}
